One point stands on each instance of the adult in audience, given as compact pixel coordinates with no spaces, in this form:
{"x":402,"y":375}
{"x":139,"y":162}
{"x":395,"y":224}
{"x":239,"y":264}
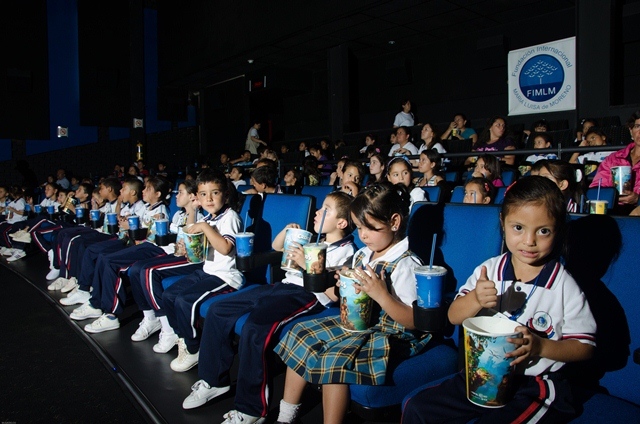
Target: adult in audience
{"x":253,"y":139}
{"x":493,"y":139}
{"x":403,"y":144}
{"x":458,"y":130}
{"x":62,"y":180}
{"x":430,"y":139}
{"x":404,"y":118}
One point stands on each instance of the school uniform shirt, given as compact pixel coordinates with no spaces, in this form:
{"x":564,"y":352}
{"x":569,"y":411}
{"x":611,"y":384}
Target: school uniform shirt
{"x":417,"y":195}
{"x":338,"y":253}
{"x":137,"y":208}
{"x":48,"y":202}
{"x":593,"y":157}
{"x":109,"y":207}
{"x":403,"y":277}
{"x":18,"y":204}
{"x":228,"y":224}
{"x":552,"y":305}
{"x":536,"y":158}
{"x":148,"y":218}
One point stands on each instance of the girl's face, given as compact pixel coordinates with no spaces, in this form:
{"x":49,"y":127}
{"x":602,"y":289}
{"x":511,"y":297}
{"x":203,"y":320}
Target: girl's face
{"x":529,"y":233}
{"x":350,"y":174}
{"x":393,"y":139}
{"x":399,"y":173}
{"x":49,"y":192}
{"x":497,"y":129}
{"x":368,"y":141}
{"x":235,"y":175}
{"x":427,"y":132}
{"x":302,"y":147}
{"x":289,"y":178}
{"x":540,"y":143}
{"x":324,"y":145}
{"x":375,"y":167}
{"x":183,"y":198}
{"x":544,"y":172}
{"x":3,"y":193}
{"x":406,"y":107}
{"x":596,"y":140}
{"x":425,"y":165}
{"x":211,"y":197}
{"x":481,"y":169}
{"x":586,"y":126}
{"x":402,"y":137}
{"x":61,"y":198}
{"x":381,"y":238}
{"x":150,"y":195}
{"x":473,"y":194}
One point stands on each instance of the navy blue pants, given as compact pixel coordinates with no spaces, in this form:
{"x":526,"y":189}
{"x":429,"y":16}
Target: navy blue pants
{"x":146,"y":279}
{"x":90,"y":259}
{"x":182,"y":303}
{"x":269,"y":308}
{"x":544,"y":399}
{"x":108,"y":289}
{"x":71,"y":244}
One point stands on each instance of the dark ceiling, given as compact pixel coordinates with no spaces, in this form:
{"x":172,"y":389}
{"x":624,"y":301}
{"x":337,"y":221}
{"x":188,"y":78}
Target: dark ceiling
{"x":371,"y":29}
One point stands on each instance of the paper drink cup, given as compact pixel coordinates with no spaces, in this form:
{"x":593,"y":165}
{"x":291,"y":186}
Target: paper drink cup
{"x":80,"y":212}
{"x":195,"y":246}
{"x":355,"y":305}
{"x":315,"y":257}
{"x":488,"y":372}
{"x":621,"y":177}
{"x":51,"y":209}
{"x":37,"y":208}
{"x":134,"y":222}
{"x":162,"y":227}
{"x":598,"y":207}
{"x":94,"y":214}
{"x":112,"y":218}
{"x":244,"y":244}
{"x":293,"y":235}
{"x":429,"y":285}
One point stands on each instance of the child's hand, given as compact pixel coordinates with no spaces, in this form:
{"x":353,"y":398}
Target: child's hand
{"x":371,"y":283}
{"x":124,"y":223}
{"x":527,"y":346}
{"x":296,"y":253}
{"x":584,"y":143}
{"x":292,"y":225}
{"x":350,"y":188}
{"x":180,"y":249}
{"x":486,"y":292}
{"x":158,"y":216}
{"x":197,"y":228}
{"x":30,"y":200}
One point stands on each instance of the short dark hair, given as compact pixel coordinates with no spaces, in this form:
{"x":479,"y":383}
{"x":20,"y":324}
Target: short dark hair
{"x":134,"y":184}
{"x":265,"y":175}
{"x":113,"y":184}
{"x":343,"y":202}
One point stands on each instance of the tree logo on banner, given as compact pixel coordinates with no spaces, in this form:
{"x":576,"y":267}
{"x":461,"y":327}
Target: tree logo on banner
{"x":541,"y":78}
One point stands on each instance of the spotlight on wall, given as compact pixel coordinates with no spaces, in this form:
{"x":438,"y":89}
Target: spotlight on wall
{"x":250,"y":61}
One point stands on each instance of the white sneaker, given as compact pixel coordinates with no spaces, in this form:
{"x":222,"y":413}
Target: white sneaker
{"x":85,"y":311}
{"x":237,"y":417}
{"x":69,"y":285}
{"x":202,"y":393}
{"x":4,"y":250}
{"x":166,"y":342}
{"x":18,"y":233}
{"x":8,"y":251}
{"x":76,"y":298}
{"x":57,"y":284}
{"x":185,"y":360}
{"x":17,"y":254}
{"x":23,"y":238}
{"x":146,"y":328}
{"x":105,"y":323}
{"x":53,"y":274}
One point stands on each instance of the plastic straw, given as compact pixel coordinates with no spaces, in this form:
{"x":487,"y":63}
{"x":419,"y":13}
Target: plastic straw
{"x":599,"y":184}
{"x":324,"y":213}
{"x":474,"y":197}
{"x":582,"y":203}
{"x":246,"y":219}
{"x":433,"y":251}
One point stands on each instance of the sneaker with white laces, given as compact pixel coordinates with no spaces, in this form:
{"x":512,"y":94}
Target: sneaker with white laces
{"x":237,"y":417}
{"x":76,"y":298}
{"x":69,"y":285}
{"x":17,"y":254}
{"x":53,"y":274}
{"x":105,"y":323}
{"x":23,"y":238}
{"x":85,"y":311}
{"x":57,"y":284}
{"x":202,"y":393}
{"x":166,"y":342}
{"x":185,"y":360}
{"x":146,"y":328}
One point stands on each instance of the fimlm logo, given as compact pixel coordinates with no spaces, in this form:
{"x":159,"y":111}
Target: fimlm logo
{"x":541,"y":78}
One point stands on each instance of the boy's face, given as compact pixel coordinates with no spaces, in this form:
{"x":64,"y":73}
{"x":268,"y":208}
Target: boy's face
{"x":81,"y":195}
{"x":284,"y":149}
{"x":126,"y":193}
{"x":104,"y":192}
{"x":161,"y":167}
{"x":48,"y":191}
{"x":260,"y":188}
{"x":234,"y":175}
{"x":289,"y":178}
{"x":62,"y":197}
{"x":3,"y":193}
{"x":350,"y":174}
{"x":316,"y":153}
{"x":540,"y":143}
{"x":246,"y":156}
{"x":224,"y":158}
{"x":211,"y":197}
{"x":331,"y":220}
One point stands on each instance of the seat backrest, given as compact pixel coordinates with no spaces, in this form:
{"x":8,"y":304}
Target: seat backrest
{"x":500,"y":192}
{"x":508,"y":176}
{"x":609,"y":194}
{"x":282,"y":209}
{"x":318,"y":192}
{"x":457,"y":195}
{"x":433,"y":193}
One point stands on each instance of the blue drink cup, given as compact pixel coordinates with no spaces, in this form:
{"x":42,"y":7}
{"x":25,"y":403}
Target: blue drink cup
{"x":37,"y":208}
{"x":80,"y":212}
{"x":134,"y":222}
{"x":162,"y":227}
{"x":112,"y":218}
{"x":51,"y":210}
{"x":244,"y":244}
{"x":429,"y":285}
{"x":95,"y":215}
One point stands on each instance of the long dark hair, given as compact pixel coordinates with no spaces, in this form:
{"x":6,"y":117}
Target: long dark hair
{"x":485,"y":135}
{"x":380,"y":201}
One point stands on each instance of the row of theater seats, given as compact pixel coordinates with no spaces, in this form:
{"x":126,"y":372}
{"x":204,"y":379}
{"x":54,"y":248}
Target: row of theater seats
{"x":462,"y":244}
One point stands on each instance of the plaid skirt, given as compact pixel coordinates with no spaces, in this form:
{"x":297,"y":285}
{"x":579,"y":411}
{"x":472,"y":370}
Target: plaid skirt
{"x":323,"y":352}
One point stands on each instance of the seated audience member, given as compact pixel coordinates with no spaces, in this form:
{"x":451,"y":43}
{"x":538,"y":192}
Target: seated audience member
{"x":284,"y":149}
{"x":541,"y":141}
{"x":236,"y":176}
{"x":302,"y":148}
{"x":400,"y":171}
{"x":327,"y":150}
{"x":458,"y":130}
{"x":352,"y":176}
{"x":566,"y":177}
{"x":369,"y":140}
{"x":429,"y":166}
{"x":324,"y":167}
{"x":584,"y":127}
{"x":488,"y":166}
{"x":494,"y":139}
{"x":294,"y":181}
{"x":377,"y":168}
{"x":479,"y":190}
{"x":336,"y":176}
{"x":403,"y":144}
{"x":311,"y":172}
{"x":540,"y":126}
{"x":591,"y":160}
{"x":62,"y":180}
{"x":243,"y":160}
